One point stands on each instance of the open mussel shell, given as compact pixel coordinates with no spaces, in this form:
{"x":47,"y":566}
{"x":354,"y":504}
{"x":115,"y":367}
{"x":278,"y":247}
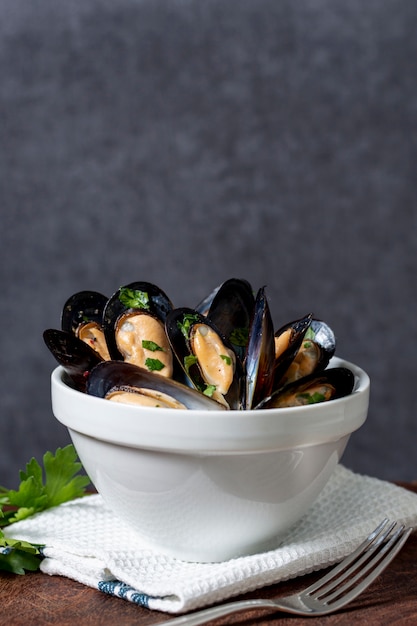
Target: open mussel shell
{"x":208,"y":360}
{"x":314,"y":353}
{"x":288,"y":340}
{"x":111,"y":377}
{"x":82,"y":315}
{"x":75,"y":356}
{"x":138,"y":309}
{"x":323,"y":336}
{"x":260,"y":356}
{"x":82,"y":307}
{"x":231,"y":311}
{"x":204,"y":304}
{"x":329,"y":384}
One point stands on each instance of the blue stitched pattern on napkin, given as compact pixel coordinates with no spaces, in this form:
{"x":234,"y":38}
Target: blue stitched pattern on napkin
{"x":126,"y":592}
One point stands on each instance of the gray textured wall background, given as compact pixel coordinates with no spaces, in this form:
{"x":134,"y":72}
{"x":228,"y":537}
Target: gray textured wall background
{"x":187,"y":141}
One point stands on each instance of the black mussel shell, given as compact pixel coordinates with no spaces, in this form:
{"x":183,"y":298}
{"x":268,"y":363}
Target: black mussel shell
{"x":296,"y":331}
{"x":204,"y":305}
{"x":82,"y":315}
{"x":323,"y":386}
{"x":142,"y":296}
{"x":75,"y":356}
{"x":323,"y":335}
{"x":82,"y":307}
{"x":231,"y":311}
{"x":316,"y":349}
{"x":180,"y":325}
{"x":112,"y":375}
{"x":260,"y":357}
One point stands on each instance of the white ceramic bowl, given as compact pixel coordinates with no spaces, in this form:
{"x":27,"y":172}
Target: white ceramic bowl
{"x":209,"y":485}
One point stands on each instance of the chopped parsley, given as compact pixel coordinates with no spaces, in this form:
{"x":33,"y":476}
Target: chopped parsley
{"x":151,"y":345}
{"x":187,"y":321}
{"x":189,"y":360}
{"x":310,"y":334}
{"x":226,"y":358}
{"x":134,"y":298}
{"x":239,"y":336}
{"x":312,"y":398}
{"x":154,"y":365}
{"x":209,"y":390}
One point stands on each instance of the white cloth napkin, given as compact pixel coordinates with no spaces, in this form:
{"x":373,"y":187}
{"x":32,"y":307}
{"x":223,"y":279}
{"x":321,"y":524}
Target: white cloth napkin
{"x":85,"y":541}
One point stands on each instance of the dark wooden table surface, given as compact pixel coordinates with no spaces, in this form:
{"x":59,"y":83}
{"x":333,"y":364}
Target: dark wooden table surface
{"x":38,"y":600}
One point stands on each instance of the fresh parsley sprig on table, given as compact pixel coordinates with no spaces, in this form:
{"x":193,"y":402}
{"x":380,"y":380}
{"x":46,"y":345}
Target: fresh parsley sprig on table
{"x":40,"y":488}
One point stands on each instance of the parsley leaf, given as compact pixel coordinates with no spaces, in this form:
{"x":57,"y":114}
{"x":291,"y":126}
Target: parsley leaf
{"x":239,"y":336}
{"x":17,"y":556}
{"x":310,"y":334}
{"x":134,"y":298}
{"x":187,"y":321}
{"x":312,"y":398}
{"x":40,"y":488}
{"x":209,"y":390}
{"x":189,"y":360}
{"x":151,"y":345}
{"x":154,"y":365}
{"x":37,"y":492}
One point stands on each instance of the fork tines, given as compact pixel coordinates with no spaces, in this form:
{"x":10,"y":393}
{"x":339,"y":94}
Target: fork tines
{"x":353,"y":575}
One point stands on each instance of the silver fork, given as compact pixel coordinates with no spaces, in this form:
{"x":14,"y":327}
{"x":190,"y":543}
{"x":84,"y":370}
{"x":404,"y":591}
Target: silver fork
{"x":331,"y":592}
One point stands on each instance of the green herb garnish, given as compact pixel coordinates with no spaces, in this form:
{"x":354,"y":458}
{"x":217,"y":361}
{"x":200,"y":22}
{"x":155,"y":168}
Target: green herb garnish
{"x":226,"y":358}
{"x":18,"y":556}
{"x":154,"y":365}
{"x":310,"y":334}
{"x":239,"y":336}
{"x":189,"y":360}
{"x":151,"y":345}
{"x":134,"y":298}
{"x":40,"y":489}
{"x":312,"y":398}
{"x":209,"y":390}
{"x":187,"y":321}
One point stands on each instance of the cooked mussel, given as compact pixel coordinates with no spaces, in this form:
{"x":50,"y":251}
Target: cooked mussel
{"x":226,"y":349}
{"x":314,"y":353}
{"x":133,"y":322}
{"x":322,"y":386}
{"x":288,"y":340}
{"x":118,"y":381}
{"x":207,"y":358}
{"x":82,"y":315}
{"x":73,"y":354}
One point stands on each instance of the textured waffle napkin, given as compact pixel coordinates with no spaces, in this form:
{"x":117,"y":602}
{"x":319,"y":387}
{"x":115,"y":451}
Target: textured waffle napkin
{"x":86,"y":542}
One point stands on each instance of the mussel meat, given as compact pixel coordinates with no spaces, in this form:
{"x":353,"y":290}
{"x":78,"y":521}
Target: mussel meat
{"x":128,"y":383}
{"x":82,"y":315}
{"x":317,"y":387}
{"x":133,"y":321}
{"x":207,"y":358}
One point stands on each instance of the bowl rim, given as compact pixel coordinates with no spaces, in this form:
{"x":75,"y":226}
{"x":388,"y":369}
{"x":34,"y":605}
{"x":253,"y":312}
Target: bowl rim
{"x":212,"y":432}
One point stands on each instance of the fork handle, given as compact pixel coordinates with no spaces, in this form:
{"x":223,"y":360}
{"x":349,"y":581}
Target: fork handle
{"x":206,"y":615}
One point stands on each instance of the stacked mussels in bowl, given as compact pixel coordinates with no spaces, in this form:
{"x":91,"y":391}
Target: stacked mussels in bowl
{"x":136,"y":347}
